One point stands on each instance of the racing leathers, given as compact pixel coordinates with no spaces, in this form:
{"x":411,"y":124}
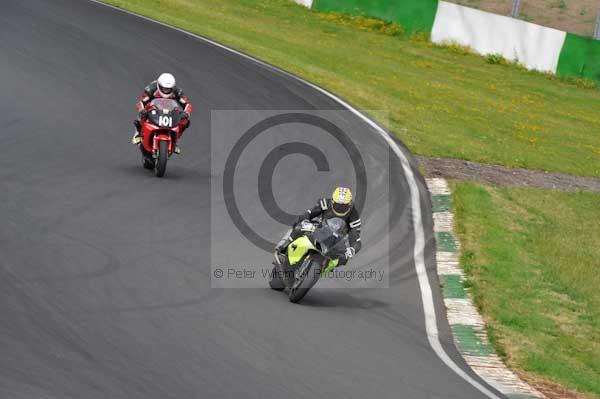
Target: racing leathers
{"x":323,"y":208}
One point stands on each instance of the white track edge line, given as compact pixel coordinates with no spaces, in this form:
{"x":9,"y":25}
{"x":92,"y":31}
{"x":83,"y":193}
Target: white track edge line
{"x":419,"y":249}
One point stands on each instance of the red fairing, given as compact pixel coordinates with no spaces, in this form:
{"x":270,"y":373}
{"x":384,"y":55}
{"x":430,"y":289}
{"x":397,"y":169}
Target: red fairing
{"x":152,"y":133}
{"x":162,"y":136}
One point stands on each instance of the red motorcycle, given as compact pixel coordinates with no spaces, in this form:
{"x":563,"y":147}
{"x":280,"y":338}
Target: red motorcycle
{"x":161,"y":128}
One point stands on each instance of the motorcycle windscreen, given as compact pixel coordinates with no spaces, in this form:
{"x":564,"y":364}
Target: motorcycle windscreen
{"x":165,"y":112}
{"x":325,"y":237}
{"x":165,"y":103}
{"x":331,"y":237}
{"x":337,"y":225}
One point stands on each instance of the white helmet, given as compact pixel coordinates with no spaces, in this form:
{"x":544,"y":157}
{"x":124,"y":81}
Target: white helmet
{"x":166,"y":83}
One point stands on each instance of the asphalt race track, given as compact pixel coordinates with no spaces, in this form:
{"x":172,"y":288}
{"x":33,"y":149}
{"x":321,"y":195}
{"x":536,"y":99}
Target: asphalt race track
{"x":106,"y":270}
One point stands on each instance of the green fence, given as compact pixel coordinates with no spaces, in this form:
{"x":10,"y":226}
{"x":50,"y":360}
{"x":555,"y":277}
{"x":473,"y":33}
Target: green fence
{"x":413,"y":15}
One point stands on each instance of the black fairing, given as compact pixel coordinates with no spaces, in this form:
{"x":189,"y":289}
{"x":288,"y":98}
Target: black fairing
{"x":165,"y":113}
{"x":331,"y":237}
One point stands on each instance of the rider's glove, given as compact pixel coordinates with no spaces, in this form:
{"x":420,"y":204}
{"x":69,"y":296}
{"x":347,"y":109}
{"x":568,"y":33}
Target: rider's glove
{"x":350,"y":252}
{"x":307,"y":227}
{"x":185,"y":115}
{"x":143,"y":113}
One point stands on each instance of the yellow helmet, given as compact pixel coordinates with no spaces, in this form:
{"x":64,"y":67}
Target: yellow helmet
{"x":342,"y":201}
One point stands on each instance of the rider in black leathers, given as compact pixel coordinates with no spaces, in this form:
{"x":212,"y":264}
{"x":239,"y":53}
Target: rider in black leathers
{"x":340,"y":205}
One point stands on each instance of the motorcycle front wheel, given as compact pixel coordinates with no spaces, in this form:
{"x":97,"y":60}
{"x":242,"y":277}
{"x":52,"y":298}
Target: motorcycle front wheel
{"x":309,"y":278}
{"x":160,"y":165}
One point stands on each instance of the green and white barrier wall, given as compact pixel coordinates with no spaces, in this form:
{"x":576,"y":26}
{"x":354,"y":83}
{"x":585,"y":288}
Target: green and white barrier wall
{"x":534,"y":46}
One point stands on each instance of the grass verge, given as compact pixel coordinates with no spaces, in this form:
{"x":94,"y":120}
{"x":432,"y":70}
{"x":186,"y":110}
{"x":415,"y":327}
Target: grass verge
{"x":442,"y":101}
{"x":532,"y":259}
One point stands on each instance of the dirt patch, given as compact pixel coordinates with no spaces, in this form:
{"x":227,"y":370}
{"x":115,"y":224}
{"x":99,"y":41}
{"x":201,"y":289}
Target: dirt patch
{"x":554,"y":391}
{"x":502,"y":176}
{"x":576,"y":16}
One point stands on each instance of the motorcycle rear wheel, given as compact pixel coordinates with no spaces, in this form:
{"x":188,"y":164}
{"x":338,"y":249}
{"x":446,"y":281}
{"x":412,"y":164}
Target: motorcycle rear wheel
{"x":275,"y":280}
{"x":147,"y":163}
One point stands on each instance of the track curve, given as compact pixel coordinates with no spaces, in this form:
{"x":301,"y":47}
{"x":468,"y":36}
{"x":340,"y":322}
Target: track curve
{"x":105,"y":279}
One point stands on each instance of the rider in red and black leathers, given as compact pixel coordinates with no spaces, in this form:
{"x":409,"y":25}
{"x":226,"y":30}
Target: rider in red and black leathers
{"x":163,"y":87}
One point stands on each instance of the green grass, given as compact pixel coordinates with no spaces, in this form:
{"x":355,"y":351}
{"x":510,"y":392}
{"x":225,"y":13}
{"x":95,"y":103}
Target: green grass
{"x":443,"y":102}
{"x":532,"y":260}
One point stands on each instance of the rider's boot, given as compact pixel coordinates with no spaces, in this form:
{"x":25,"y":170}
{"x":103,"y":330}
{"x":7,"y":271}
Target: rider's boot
{"x":137,"y":137}
{"x":282,"y":245}
{"x":177,"y":150}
